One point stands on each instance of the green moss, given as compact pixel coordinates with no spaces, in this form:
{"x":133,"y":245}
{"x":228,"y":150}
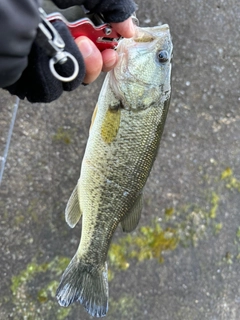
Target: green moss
{"x":150,"y":243}
{"x":153,"y":241}
{"x":19,"y":219}
{"x":214,"y":205}
{"x":126,"y":306}
{"x":25,"y":275}
{"x":47,"y":293}
{"x":228,"y":258}
{"x":34,"y":288}
{"x":31,"y":212}
{"x":42,"y":295}
{"x":218,"y":227}
{"x":118,"y":254}
{"x":62,"y":136}
{"x":231,"y":182}
{"x":169,"y":212}
{"x":34,"y":292}
{"x":110,"y":274}
{"x":238,"y":257}
{"x":185,"y":225}
{"x":238,"y":233}
{"x":226,"y":173}
{"x":234,"y":184}
{"x":57,"y":266}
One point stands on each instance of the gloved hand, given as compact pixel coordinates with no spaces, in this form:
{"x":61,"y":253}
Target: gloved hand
{"x":113,"y":10}
{"x":37,"y":83}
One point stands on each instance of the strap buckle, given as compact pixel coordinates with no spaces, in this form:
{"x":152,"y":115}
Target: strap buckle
{"x":49,"y":39}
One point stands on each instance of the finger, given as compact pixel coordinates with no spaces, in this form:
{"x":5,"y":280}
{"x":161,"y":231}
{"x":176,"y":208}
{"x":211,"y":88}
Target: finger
{"x":110,"y":59}
{"x":92,"y":58}
{"x":125,"y":28}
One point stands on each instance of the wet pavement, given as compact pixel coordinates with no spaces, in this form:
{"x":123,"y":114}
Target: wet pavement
{"x":183,"y":261}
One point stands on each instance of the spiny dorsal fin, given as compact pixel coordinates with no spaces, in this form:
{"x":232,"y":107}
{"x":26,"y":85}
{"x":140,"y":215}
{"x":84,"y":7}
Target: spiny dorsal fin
{"x":73,"y":212}
{"x":130,"y":222}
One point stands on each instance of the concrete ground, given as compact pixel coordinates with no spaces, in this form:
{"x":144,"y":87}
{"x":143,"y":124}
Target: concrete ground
{"x":190,"y":226}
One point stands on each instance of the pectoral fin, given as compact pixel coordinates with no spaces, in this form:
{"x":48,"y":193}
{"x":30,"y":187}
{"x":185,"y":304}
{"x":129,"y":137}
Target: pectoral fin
{"x":73,"y":212}
{"x":130,"y":222}
{"x":93,"y":117}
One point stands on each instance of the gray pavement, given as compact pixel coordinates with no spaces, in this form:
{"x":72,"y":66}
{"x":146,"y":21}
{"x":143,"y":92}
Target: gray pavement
{"x":192,"y":198}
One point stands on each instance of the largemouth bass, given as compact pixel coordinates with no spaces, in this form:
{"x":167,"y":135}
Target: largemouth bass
{"x":126,"y":129}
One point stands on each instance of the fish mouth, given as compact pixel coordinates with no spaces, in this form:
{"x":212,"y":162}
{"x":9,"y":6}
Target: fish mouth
{"x":146,"y":34}
{"x":143,"y":36}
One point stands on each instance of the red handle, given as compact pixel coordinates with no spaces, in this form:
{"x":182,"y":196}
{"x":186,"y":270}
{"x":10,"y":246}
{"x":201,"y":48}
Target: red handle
{"x":103,"y":36}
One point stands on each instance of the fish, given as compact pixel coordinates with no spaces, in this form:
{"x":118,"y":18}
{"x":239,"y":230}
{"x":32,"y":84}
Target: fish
{"x":124,"y":137}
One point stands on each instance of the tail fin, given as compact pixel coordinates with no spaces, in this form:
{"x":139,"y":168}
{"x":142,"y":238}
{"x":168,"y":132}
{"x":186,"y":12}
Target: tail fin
{"x":86,"y":284}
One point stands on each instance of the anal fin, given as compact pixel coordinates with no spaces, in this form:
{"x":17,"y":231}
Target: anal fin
{"x":130,"y":222}
{"x":72,"y":211}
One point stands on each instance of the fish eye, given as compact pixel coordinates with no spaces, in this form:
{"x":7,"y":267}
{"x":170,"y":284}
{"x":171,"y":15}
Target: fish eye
{"x":162,"y":56}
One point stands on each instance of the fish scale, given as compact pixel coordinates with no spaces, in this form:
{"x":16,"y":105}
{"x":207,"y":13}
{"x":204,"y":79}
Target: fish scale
{"x":124,"y":138}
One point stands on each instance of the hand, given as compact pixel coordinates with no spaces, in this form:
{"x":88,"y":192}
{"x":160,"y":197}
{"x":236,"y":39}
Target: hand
{"x":96,"y":61}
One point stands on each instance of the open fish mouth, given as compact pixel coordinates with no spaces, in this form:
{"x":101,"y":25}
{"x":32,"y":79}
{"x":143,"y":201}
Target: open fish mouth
{"x":143,"y":35}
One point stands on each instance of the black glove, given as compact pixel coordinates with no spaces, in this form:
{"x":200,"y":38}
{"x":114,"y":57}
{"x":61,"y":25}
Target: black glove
{"x":113,"y":10}
{"x":18,"y":25}
{"x":37,"y":83}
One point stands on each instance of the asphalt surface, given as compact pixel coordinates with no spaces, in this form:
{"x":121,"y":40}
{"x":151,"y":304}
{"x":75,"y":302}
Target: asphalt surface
{"x":193,"y":192}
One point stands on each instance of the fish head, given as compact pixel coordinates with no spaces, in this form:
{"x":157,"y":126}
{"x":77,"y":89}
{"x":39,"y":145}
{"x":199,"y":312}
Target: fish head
{"x":142,"y":75}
